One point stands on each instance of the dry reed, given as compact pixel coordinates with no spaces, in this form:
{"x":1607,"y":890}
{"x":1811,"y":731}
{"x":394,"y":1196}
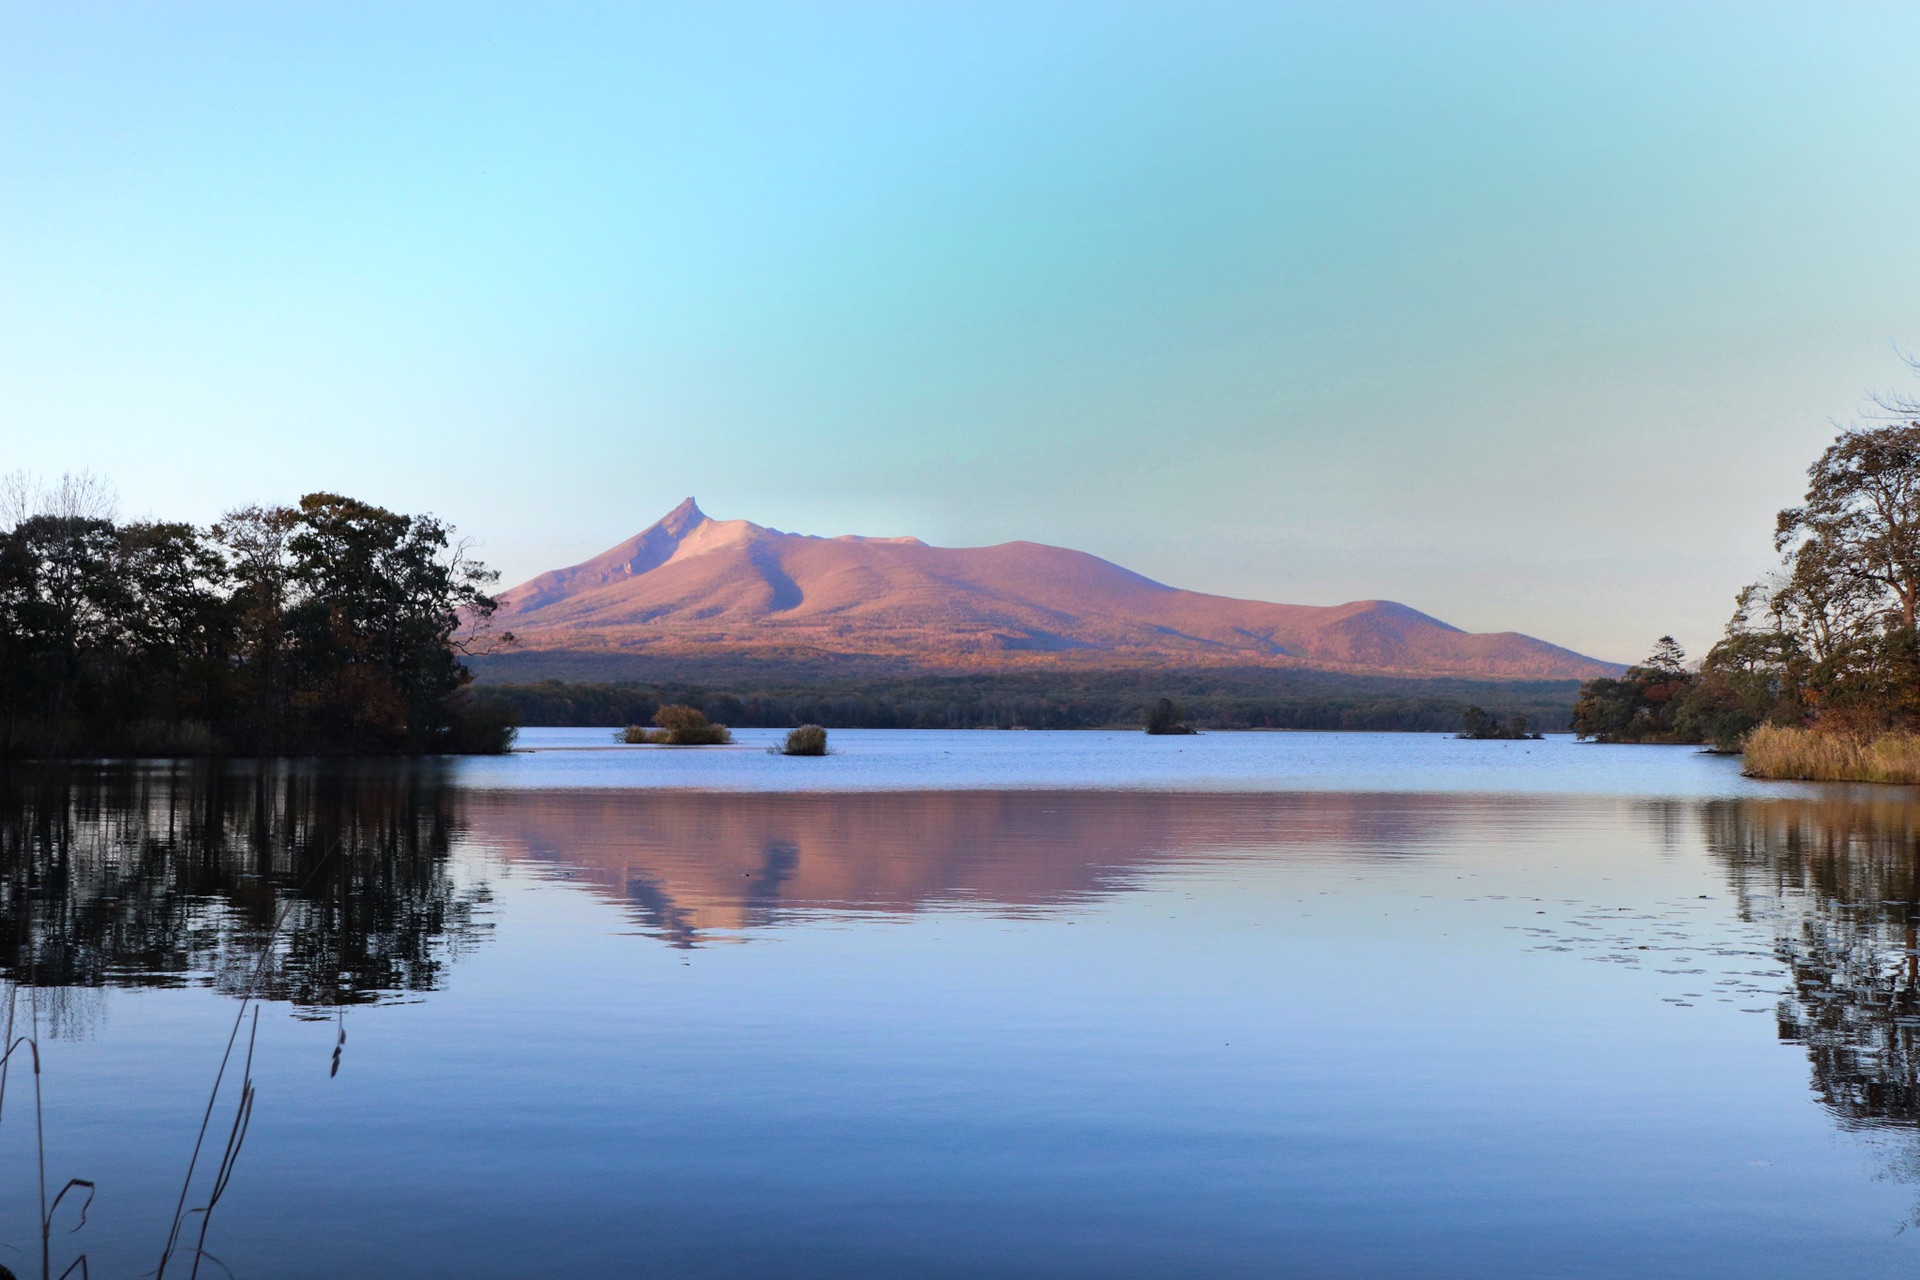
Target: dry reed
{"x":807,"y":740}
{"x":1776,"y":752}
{"x":679,"y":726}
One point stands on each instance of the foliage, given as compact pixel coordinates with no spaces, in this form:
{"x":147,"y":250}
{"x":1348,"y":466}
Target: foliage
{"x":1831,"y":639}
{"x":1827,"y":641}
{"x":1641,"y":706}
{"x":1750,"y":678}
{"x":326,"y":627}
{"x":1163,"y":717}
{"x":807,"y":740}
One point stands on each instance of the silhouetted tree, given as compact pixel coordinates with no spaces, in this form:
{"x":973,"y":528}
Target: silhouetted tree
{"x":1163,"y":717}
{"x":331,"y":626}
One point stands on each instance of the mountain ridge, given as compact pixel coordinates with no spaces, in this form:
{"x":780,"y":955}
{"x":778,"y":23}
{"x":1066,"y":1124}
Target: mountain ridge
{"x":692,"y":586}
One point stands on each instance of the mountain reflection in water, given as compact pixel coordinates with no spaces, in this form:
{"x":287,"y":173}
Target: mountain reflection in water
{"x":172,"y":875}
{"x":696,"y":867}
{"x":168,"y":875}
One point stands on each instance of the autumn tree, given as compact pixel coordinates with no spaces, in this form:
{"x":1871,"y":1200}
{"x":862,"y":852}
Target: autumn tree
{"x":1832,"y":635}
{"x":1642,"y":705}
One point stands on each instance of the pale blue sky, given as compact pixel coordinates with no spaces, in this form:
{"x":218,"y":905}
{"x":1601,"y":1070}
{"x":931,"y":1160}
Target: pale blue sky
{"x":1526,"y":315}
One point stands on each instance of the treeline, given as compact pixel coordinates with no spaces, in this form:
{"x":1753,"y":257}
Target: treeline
{"x":1827,"y":641}
{"x":330,"y":626}
{"x":1657,"y":700}
{"x":1213,"y":700}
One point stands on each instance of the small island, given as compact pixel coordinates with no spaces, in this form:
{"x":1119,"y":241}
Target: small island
{"x":1164,"y":719}
{"x":1477,"y":726}
{"x":678,"y":725}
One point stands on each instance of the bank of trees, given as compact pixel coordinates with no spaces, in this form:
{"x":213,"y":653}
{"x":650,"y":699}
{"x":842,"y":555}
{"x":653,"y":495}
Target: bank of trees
{"x":1828,"y":640}
{"x":1643,"y":705}
{"x":1209,"y":699}
{"x":328,"y":626}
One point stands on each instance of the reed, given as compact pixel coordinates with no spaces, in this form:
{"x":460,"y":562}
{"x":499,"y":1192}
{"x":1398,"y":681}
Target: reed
{"x":236,"y":1133}
{"x":1773,"y":751}
{"x":243,"y":1107}
{"x":31,"y":1043}
{"x":679,"y":726}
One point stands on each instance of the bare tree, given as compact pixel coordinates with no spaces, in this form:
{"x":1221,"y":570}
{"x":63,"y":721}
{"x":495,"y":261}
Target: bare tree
{"x":78,"y":496}
{"x":82,"y":495}
{"x":19,"y":498}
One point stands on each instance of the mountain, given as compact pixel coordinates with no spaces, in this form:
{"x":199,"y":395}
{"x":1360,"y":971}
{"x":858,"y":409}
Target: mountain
{"x":694,"y":589}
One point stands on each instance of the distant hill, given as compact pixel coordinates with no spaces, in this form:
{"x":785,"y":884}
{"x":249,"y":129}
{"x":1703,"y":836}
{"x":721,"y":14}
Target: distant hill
{"x":714,"y":595}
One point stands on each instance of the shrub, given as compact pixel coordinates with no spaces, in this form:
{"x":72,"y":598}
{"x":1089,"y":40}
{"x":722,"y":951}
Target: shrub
{"x":807,"y":740}
{"x":1775,"y":751}
{"x":479,"y":724}
{"x":683,"y":726}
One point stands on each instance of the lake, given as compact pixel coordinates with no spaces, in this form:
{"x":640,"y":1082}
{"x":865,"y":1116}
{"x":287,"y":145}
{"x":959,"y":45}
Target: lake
{"x":968,"y":1004}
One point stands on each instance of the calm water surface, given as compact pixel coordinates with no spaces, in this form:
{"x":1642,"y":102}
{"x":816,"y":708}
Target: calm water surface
{"x":974,"y":1004}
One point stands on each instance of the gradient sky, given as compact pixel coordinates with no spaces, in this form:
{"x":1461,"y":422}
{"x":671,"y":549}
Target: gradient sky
{"x":1529,"y":316}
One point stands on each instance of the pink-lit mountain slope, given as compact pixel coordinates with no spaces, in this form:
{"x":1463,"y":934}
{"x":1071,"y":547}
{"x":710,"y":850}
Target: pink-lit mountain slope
{"x":698,"y":588}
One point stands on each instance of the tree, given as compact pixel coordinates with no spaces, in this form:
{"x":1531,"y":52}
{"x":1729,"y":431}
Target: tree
{"x":334,"y":625}
{"x":1840,"y":645}
{"x":1667,"y":658}
{"x":1859,"y":532}
{"x":255,"y":543}
{"x":59,"y":603}
{"x":1476,"y":724}
{"x":1754,"y":675}
{"x":1163,"y":717}
{"x":1642,"y":705}
{"x":377,"y":602}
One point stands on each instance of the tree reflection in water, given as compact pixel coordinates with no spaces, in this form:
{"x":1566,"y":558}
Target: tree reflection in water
{"x":1840,"y":881}
{"x":173,"y":875}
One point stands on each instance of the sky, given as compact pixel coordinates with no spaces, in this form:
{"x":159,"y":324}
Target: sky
{"x":1529,"y":316}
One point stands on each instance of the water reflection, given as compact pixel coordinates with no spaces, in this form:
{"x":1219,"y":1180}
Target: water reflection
{"x":175,"y":875}
{"x":1839,"y":880}
{"x":699,"y":866}
{"x":170,"y":875}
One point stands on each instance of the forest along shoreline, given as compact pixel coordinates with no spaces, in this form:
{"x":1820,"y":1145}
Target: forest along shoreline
{"x":328,"y":627}
{"x":338,"y":627}
{"x":1818,"y":674}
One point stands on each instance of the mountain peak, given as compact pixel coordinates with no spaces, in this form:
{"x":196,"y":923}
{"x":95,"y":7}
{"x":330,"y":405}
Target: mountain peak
{"x":690,"y":588}
{"x":682,"y":519}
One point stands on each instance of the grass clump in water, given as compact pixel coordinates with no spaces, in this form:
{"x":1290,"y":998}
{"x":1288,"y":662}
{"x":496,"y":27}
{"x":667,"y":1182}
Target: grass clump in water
{"x":678,"y":725}
{"x":807,"y":740}
{"x":1775,"y":751}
